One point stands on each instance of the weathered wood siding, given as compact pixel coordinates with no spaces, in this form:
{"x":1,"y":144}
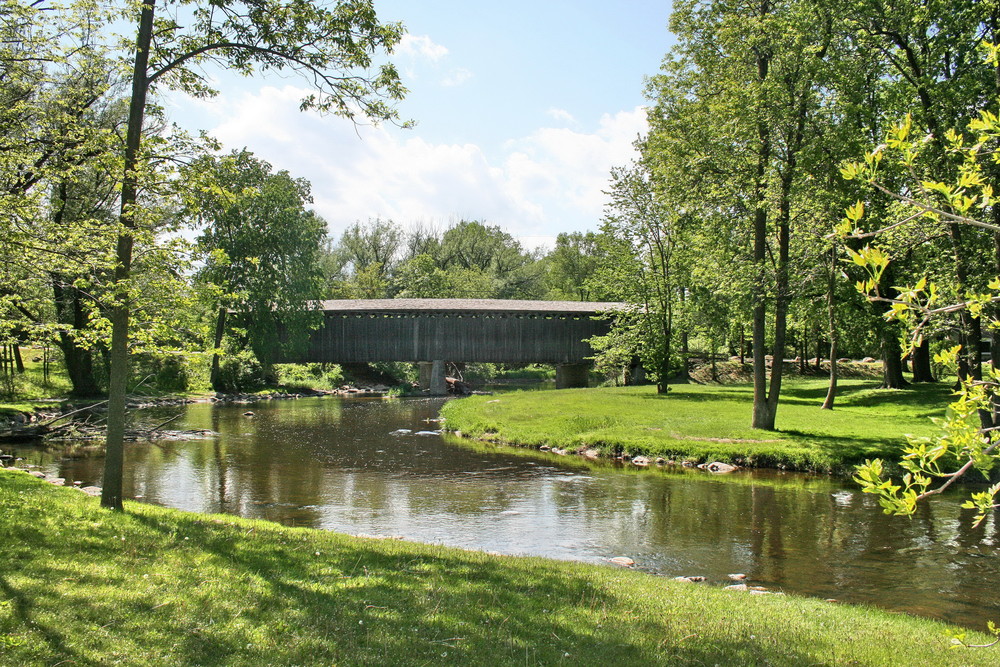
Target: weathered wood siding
{"x":354,"y":337}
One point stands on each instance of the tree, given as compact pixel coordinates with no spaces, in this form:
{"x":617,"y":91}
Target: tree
{"x":971,"y":427}
{"x":641,"y":238}
{"x":332,"y":46}
{"x":372,"y":246}
{"x":262,"y":250}
{"x":55,"y":132}
{"x":571,"y":264}
{"x":930,"y":55}
{"x":740,"y":106}
{"x":485,"y":252}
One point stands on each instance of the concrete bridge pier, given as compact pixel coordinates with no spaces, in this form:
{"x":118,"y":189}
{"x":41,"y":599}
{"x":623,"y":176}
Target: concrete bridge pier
{"x":569,"y":376}
{"x":432,"y":377}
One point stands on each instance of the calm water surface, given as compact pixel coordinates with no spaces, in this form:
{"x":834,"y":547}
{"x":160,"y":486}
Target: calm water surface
{"x":343,"y":465}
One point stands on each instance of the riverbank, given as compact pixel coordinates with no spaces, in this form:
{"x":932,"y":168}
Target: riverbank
{"x":159,"y":586}
{"x":705,"y":423}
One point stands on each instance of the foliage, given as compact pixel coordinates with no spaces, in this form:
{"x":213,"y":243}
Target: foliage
{"x":468,"y":260}
{"x":309,"y":376}
{"x":240,"y":372}
{"x":968,"y":438}
{"x":639,"y":243}
{"x":571,"y":265}
{"x":261,"y":246}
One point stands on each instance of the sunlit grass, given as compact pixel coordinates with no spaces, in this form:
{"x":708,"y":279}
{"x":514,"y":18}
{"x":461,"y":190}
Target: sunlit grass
{"x":710,"y":422}
{"x":154,"y":586}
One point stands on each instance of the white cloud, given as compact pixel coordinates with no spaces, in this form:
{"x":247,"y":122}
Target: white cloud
{"x":421,"y":46}
{"x":561,"y":114}
{"x":456,"y":77}
{"x":539,"y":185}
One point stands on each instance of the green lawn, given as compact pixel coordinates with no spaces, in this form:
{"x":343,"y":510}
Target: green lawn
{"x":710,"y":422}
{"x":150,"y":586}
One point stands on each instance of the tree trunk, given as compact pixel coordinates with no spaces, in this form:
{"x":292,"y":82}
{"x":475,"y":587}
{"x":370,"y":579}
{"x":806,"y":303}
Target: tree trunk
{"x":111,"y":495}
{"x":892,"y":360}
{"x":920,"y":360}
{"x":970,"y":328}
{"x":220,"y":329}
{"x":79,"y":361}
{"x":803,"y":351}
{"x":763,"y":415}
{"x":79,"y":367}
{"x":18,"y":361}
{"x":831,"y":321}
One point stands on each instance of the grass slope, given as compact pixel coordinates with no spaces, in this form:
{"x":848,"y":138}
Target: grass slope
{"x":151,"y":586}
{"x":710,"y":422}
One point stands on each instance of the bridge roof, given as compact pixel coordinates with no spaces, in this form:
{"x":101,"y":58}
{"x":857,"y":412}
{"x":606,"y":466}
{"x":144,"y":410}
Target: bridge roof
{"x":471,"y":305}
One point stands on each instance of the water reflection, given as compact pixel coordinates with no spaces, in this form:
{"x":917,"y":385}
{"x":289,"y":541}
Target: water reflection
{"x":336,"y":464}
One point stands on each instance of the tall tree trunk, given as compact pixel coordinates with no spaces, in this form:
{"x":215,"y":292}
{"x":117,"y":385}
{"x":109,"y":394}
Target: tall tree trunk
{"x":920,"y":359}
{"x":220,"y":329}
{"x":763,"y":416}
{"x":111,"y":495}
{"x":18,"y":361}
{"x":831,"y":321}
{"x":892,"y":358}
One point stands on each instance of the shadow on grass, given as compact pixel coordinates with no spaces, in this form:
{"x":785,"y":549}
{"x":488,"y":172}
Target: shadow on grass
{"x":22,"y":607}
{"x":385,"y":608}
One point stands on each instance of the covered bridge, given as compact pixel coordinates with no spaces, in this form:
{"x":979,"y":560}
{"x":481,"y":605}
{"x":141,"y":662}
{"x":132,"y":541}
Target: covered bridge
{"x":460,"y":330}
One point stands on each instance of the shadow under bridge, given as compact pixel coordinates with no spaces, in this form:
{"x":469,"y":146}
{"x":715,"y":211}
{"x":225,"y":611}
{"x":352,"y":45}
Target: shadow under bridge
{"x":435,"y":331}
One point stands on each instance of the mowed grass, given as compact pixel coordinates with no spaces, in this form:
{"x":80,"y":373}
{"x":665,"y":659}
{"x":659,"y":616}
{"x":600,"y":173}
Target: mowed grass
{"x":710,"y":422}
{"x":151,"y":586}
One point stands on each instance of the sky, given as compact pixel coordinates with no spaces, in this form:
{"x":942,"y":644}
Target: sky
{"x":521,"y":110}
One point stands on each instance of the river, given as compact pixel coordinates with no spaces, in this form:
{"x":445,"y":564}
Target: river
{"x":361,"y":466}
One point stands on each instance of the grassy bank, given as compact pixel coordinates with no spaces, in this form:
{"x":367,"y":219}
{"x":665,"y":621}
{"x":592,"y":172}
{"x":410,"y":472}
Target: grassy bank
{"x":152,"y":586}
{"x":709,"y":422}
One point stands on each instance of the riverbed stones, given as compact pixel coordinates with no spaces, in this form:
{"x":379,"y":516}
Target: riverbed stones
{"x":695,"y":579}
{"x":737,"y":577}
{"x":641,"y":461}
{"x":718,"y":467}
{"x":624,"y":561}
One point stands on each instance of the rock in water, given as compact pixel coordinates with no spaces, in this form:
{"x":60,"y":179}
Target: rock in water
{"x":624,"y":561}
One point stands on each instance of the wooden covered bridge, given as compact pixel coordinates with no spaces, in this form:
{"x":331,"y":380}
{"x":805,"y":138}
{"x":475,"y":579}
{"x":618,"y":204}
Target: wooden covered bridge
{"x":435,"y":331}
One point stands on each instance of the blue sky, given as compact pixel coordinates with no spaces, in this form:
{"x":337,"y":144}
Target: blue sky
{"x":521,"y":108}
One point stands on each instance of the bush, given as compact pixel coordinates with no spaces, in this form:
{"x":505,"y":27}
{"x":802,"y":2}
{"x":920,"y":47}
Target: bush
{"x":166,"y":373}
{"x":309,"y":376}
{"x":240,"y":372}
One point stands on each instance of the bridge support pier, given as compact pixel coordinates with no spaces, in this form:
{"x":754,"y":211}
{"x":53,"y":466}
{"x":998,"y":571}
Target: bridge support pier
{"x":569,"y":376}
{"x":432,"y":377}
